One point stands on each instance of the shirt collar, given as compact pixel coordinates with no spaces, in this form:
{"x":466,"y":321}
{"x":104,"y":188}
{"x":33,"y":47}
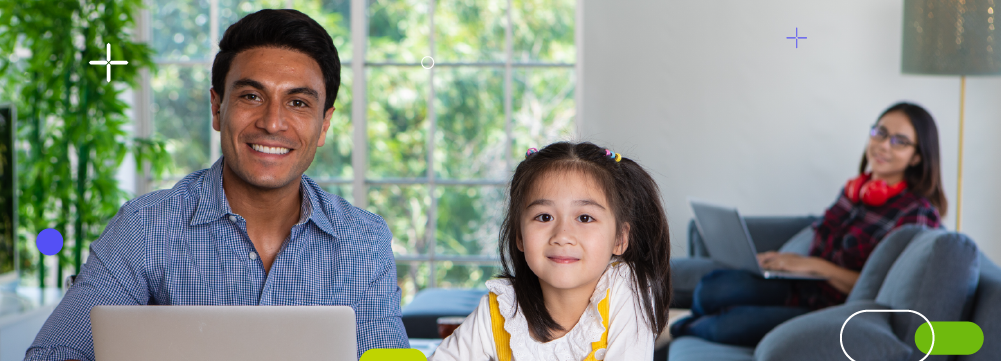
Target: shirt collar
{"x":212,"y":203}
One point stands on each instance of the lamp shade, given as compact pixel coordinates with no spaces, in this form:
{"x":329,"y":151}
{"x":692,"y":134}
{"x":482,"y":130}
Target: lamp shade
{"x":951,"y":37}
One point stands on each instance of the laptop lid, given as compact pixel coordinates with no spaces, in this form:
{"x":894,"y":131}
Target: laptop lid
{"x":726,"y":237}
{"x":126,"y":333}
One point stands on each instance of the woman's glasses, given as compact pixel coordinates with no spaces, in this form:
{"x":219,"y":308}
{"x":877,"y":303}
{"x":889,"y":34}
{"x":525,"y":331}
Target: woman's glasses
{"x":897,"y":141}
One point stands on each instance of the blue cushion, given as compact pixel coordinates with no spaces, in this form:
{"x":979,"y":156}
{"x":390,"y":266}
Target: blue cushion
{"x":420,"y":317}
{"x":935,"y":275}
{"x":879,"y":262}
{"x":813,"y":336}
{"x":800,"y":243}
{"x":693,"y":348}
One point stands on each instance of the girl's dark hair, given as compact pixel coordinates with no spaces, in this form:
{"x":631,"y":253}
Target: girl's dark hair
{"x":924,"y":178}
{"x":634,"y":200}
{"x":283,"y":29}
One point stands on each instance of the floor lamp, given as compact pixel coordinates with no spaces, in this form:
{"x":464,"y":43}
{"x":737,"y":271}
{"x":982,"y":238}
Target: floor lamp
{"x":952,"y":38}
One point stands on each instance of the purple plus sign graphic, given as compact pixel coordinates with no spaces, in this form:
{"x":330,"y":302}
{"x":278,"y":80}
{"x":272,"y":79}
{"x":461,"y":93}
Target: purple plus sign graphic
{"x":797,"y":37}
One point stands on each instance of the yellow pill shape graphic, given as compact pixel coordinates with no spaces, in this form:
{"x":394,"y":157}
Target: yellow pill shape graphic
{"x":951,"y":338}
{"x":393,"y":354}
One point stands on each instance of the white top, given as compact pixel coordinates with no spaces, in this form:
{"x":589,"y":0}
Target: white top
{"x":629,"y":335}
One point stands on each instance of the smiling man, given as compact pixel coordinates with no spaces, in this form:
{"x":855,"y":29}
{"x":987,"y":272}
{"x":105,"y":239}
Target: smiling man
{"x":252,"y":229}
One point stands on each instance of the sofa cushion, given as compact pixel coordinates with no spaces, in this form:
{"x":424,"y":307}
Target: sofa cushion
{"x":935,"y":275}
{"x":879,"y":262}
{"x":800,"y":242}
{"x":868,"y":336}
{"x":420,"y":317}
{"x":693,"y":348}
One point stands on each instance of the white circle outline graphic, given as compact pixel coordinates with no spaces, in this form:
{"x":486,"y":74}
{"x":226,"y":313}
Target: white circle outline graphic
{"x":841,"y":335}
{"x":422,"y":62}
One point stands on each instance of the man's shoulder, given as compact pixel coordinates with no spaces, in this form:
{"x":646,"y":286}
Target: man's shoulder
{"x":185,"y":189}
{"x":342,"y":213}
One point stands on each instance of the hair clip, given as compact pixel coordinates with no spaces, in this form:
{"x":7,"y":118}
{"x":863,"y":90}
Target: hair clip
{"x":530,"y":152}
{"x":613,"y":155}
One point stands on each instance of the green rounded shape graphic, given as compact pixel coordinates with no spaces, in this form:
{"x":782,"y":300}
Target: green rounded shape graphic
{"x":393,"y":354}
{"x":951,"y":338}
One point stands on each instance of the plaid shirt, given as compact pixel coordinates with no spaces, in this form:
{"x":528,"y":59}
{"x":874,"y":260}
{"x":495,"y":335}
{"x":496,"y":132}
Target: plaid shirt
{"x":849,"y":232}
{"x":184,"y":246}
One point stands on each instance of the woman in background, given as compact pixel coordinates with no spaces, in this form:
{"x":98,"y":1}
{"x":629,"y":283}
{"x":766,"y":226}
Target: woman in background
{"x":898,"y":184}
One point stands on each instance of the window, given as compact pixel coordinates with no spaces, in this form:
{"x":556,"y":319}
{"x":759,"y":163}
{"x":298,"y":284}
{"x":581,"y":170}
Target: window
{"x":432,"y":148}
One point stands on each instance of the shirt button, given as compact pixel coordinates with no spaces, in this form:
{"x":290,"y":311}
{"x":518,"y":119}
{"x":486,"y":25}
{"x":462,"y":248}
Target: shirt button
{"x":253,"y":255}
{"x":232,"y":219}
{"x":600,"y":354}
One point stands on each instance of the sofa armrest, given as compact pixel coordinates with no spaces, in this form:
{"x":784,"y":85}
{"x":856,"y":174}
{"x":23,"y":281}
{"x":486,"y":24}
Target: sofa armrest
{"x":986,"y":314}
{"x":768,"y":232}
{"x":812,"y":336}
{"x":685,"y":275}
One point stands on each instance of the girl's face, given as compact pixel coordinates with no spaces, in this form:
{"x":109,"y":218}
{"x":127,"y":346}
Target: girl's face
{"x":887,"y":160}
{"x":568,"y":231}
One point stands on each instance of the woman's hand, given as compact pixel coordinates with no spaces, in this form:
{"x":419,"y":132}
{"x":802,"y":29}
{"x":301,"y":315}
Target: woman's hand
{"x":789,"y":262}
{"x":842,"y":279}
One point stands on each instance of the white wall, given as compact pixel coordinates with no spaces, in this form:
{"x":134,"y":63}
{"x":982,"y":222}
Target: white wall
{"x":713,"y":99}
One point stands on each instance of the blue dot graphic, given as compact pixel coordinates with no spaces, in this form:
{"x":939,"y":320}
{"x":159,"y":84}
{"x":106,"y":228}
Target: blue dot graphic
{"x":49,"y":241}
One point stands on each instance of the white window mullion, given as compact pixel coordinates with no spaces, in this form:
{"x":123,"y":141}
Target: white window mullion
{"x":143,"y":100}
{"x":359,"y":99}
{"x":578,"y":93}
{"x":432,"y":223}
{"x":509,"y":58}
{"x":215,"y":144}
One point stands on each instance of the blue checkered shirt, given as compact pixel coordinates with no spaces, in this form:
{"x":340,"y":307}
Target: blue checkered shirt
{"x":184,"y":246}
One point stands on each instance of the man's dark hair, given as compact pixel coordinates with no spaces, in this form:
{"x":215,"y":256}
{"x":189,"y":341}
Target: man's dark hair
{"x":283,"y":29}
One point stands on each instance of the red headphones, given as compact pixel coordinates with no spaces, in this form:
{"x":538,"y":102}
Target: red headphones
{"x":873,"y":193}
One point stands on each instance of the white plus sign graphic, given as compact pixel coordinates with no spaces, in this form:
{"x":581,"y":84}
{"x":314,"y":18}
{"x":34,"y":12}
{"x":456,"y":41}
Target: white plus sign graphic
{"x":108,"y":62}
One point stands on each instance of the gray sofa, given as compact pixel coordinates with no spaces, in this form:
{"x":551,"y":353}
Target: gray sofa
{"x":938,"y":273}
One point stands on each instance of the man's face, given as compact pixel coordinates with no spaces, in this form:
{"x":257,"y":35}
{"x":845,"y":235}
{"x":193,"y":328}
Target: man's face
{"x":271,"y":116}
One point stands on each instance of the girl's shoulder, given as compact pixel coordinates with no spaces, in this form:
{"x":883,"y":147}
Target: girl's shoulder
{"x":618,"y":276}
{"x":507,"y":302}
{"x":621,"y":281}
{"x":500,"y":286}
{"x":576,"y":343}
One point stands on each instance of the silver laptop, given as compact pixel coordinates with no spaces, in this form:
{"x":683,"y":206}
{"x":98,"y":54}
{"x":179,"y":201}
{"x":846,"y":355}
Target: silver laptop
{"x":128,"y":333}
{"x":728,"y":241}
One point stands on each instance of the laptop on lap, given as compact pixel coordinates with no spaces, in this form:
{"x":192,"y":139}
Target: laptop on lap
{"x":728,"y":241}
{"x":128,"y":333}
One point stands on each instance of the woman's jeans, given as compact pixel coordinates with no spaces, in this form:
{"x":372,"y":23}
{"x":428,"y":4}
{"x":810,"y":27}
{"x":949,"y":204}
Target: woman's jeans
{"x":737,"y":307}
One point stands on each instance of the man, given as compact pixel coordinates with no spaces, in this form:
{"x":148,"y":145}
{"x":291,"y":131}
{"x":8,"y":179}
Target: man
{"x":251,"y":230}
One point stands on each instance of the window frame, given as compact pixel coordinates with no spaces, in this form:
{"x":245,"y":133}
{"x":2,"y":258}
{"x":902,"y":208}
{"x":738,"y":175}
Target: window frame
{"x":143,"y":99}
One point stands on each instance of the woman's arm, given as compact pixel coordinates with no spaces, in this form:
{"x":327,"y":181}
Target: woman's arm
{"x":840,"y":278}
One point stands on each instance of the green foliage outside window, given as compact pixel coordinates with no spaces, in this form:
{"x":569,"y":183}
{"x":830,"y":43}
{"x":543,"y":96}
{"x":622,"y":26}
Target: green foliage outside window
{"x":470,"y":135}
{"x":73,"y":131}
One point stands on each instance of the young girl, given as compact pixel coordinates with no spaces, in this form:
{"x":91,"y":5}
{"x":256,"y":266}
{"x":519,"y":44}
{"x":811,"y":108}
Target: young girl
{"x":586,"y":257}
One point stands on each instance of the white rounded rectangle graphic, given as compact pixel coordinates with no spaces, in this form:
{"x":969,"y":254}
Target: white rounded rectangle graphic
{"x":842,"y":333}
